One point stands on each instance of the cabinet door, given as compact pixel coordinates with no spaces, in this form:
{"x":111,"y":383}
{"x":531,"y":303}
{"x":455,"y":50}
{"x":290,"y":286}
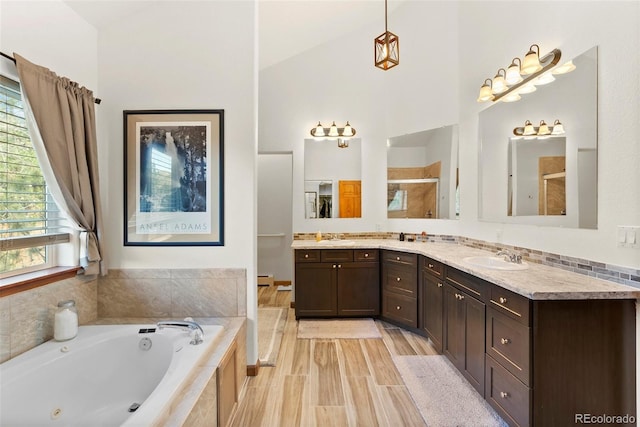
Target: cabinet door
{"x":474,"y":342}
{"x":316,"y":289}
{"x":358,"y":289}
{"x":432,"y":309}
{"x":454,"y":334}
{"x":464,"y":337}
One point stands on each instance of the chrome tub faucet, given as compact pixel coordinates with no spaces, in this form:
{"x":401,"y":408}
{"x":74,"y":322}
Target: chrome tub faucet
{"x":197,"y":334}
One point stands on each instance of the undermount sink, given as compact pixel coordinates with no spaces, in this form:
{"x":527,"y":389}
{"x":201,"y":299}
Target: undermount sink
{"x":494,"y":263}
{"x":337,"y":242}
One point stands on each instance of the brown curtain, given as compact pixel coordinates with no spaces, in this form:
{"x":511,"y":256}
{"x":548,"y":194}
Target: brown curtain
{"x":64,"y":116}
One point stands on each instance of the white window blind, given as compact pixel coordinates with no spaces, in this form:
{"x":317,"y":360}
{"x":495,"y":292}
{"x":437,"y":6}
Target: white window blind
{"x":29,"y":218}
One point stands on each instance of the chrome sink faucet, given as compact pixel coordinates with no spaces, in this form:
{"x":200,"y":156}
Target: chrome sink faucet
{"x":510,"y":257}
{"x":197,"y":334}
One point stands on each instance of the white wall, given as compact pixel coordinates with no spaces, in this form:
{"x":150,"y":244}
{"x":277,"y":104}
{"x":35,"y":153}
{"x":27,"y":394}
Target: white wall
{"x":574,"y":27}
{"x":337,"y":81}
{"x":186,"y":55}
{"x":274,"y":215}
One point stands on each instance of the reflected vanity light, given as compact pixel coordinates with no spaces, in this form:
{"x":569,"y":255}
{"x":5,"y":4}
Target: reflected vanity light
{"x":520,"y":74}
{"x":334,"y":132}
{"x":543,"y":130}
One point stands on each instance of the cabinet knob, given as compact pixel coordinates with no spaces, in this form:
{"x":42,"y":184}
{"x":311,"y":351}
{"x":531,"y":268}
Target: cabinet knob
{"x":505,"y":340}
{"x":439,"y":285}
{"x":306,"y":255}
{"x":430,"y":265}
{"x":504,"y":394}
{"x":397,"y":258}
{"x":339,"y":265}
{"x":503,"y":300}
{"x":334,"y":266}
{"x":461,"y":297}
{"x":457,"y":296}
{"x":398,"y":307}
{"x":366,"y":255}
{"x":397,"y":279}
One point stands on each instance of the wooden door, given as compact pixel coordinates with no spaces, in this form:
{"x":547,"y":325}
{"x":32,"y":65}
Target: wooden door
{"x":350,"y":199}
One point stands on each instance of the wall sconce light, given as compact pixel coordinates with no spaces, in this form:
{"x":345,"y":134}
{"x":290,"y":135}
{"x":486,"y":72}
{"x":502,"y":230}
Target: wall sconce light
{"x":386,"y":47}
{"x":543,"y":130}
{"x":521,"y":77}
{"x":334,"y":132}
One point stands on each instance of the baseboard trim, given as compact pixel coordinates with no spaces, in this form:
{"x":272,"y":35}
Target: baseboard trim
{"x":252,"y":370}
{"x":282,"y":282}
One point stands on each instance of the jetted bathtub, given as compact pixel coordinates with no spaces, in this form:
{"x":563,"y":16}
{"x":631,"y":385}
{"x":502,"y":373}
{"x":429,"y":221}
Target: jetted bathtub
{"x":122,"y":375}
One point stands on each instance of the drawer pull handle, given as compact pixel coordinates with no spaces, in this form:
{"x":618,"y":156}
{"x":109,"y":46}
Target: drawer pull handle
{"x":366,"y":255}
{"x":397,"y":258}
{"x":397,"y":279}
{"x":439,"y":285}
{"x":398,"y":307}
{"x":503,"y":300}
{"x":505,"y":341}
{"x":306,"y":255}
{"x":430,"y":265}
{"x":504,"y":394}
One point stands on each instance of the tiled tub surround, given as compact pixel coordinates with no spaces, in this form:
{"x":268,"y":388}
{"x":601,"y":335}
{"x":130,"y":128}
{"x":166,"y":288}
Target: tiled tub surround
{"x":610,"y":272}
{"x":539,"y":282}
{"x":211,"y":296}
{"x":173,"y":293}
{"x":26,"y":318}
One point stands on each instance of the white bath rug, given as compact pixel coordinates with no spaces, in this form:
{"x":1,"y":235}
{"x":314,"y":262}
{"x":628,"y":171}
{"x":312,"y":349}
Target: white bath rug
{"x":443,"y":396}
{"x":337,"y":328}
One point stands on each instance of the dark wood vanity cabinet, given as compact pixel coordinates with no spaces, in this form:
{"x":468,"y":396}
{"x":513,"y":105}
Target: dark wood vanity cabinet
{"x":399,"y":275}
{"x":431,"y":305}
{"x":549,"y":361}
{"x":337,"y":283}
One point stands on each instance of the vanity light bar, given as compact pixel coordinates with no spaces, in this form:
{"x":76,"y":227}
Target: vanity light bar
{"x":506,"y":83}
{"x":333,"y":132}
{"x":542,"y":130}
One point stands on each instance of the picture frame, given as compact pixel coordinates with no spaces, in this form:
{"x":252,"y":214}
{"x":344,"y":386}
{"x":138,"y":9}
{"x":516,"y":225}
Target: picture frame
{"x":173,"y":177}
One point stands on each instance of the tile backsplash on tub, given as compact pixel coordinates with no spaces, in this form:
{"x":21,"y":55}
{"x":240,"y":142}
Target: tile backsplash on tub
{"x":218,"y":292}
{"x":26,"y":318}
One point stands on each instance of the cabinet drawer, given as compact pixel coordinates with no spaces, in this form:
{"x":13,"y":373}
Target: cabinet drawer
{"x":365,"y":255}
{"x":400,"y":280}
{"x":509,"y":303}
{"x":508,"y":396}
{"x":307,"y":255}
{"x":393,"y":257}
{"x":476,"y":287}
{"x":336,"y":255}
{"x":400,"y":308}
{"x":434,"y":267}
{"x":508,"y":342}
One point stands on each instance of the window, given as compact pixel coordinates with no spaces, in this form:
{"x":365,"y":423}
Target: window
{"x":29,"y":218}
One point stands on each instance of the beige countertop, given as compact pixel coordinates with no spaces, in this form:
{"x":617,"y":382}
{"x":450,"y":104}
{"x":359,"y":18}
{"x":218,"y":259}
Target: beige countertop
{"x":538,"y":282}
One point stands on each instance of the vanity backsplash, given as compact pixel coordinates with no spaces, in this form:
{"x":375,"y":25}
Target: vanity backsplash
{"x":613,"y":273}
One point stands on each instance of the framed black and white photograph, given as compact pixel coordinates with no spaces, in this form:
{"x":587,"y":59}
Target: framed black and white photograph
{"x":173,"y":177}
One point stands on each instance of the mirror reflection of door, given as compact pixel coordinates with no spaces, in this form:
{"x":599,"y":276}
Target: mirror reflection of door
{"x":551,"y":186}
{"x":350,"y":199}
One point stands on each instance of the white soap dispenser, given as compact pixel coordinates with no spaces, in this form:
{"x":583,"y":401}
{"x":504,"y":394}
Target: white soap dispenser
{"x":65,"y":325}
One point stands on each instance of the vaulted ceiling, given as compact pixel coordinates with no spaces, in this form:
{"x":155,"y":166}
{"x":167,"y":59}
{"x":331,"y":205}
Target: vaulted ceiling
{"x":286,"y":28}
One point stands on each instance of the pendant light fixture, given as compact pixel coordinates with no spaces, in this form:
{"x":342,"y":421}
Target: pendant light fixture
{"x":386,"y":47}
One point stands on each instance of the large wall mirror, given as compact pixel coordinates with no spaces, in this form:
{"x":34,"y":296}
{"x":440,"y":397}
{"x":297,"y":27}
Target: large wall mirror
{"x":422,"y":174}
{"x":332,"y":179}
{"x":543,"y":180}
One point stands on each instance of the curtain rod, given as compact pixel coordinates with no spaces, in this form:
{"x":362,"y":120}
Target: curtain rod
{"x":11,"y":58}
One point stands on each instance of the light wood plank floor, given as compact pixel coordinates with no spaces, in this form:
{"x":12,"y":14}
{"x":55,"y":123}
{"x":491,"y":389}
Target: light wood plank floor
{"x":336,"y":382}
